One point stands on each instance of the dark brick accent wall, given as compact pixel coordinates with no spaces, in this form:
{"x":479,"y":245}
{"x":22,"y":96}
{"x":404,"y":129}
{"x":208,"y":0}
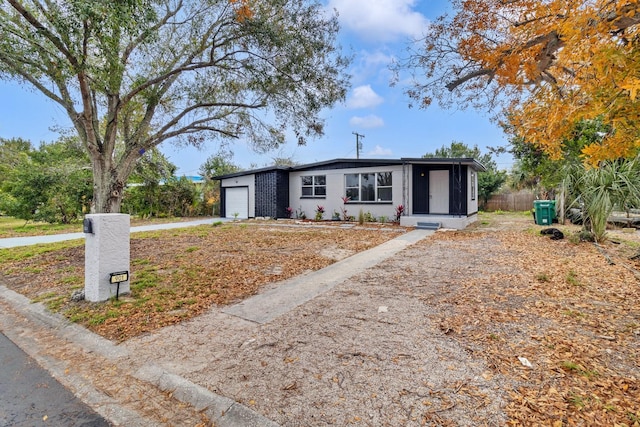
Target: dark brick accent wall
{"x":282,"y":194}
{"x":272,"y":193}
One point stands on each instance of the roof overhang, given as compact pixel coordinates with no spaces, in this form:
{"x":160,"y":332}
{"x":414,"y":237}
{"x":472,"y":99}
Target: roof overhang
{"x":467,"y":161}
{"x":472,"y":163}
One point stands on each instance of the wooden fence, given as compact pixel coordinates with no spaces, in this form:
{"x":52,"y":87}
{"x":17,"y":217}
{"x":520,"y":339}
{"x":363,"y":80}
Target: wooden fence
{"x":522,"y":201}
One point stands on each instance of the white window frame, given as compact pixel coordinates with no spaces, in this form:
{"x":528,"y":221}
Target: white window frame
{"x":376,"y":187}
{"x":314,"y":186}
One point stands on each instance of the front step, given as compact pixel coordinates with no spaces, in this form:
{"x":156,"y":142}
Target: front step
{"x":428,"y":225}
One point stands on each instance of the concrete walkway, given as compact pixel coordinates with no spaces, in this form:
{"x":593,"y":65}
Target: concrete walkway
{"x":12,"y":242}
{"x":261,"y":309}
{"x":266,"y":306}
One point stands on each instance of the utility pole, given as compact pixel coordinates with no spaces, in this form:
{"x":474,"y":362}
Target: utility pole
{"x":358,"y":143}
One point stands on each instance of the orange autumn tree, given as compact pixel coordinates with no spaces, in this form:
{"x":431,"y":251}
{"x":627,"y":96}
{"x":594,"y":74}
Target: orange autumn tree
{"x":545,"y":64}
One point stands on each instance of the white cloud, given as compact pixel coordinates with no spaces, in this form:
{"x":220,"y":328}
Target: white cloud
{"x":367,"y":122}
{"x":371,"y":66}
{"x":380,"y":20}
{"x":379,"y":151}
{"x":364,"y":97}
{"x":375,"y":59}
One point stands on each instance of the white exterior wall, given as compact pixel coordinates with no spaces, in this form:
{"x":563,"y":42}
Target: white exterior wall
{"x":472,"y":202}
{"x":336,"y":190}
{"x":408,"y":190}
{"x":243,"y":181}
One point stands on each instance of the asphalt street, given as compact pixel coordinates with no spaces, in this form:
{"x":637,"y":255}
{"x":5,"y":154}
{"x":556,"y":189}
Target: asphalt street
{"x":29,"y":396}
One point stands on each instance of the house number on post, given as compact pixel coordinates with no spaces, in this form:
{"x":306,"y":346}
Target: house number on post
{"x":117,"y":278}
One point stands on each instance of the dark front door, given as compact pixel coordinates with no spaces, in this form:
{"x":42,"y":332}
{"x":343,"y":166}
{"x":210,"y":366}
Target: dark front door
{"x":420,"y":190}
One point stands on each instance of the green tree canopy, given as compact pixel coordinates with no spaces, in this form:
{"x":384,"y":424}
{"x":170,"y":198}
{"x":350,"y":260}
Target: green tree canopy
{"x":534,"y":168}
{"x":51,"y":183}
{"x":218,"y":164}
{"x":137,"y":73}
{"x":12,"y":152}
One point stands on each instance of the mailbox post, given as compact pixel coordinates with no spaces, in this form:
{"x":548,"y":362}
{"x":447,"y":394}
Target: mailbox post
{"x":106,"y":258}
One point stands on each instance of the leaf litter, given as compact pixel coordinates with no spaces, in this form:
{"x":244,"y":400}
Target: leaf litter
{"x":462,"y":310}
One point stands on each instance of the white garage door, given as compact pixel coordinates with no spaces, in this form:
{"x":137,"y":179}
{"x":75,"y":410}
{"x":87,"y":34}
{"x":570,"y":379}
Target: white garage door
{"x":236,"y":202}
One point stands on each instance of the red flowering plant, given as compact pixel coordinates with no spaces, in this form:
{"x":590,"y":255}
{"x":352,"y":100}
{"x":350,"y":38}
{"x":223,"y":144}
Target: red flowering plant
{"x":399,"y":212}
{"x":345,"y":200}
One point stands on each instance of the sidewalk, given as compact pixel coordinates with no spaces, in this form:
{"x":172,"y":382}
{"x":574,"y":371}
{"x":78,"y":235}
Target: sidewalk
{"x":12,"y":242}
{"x":108,"y":377}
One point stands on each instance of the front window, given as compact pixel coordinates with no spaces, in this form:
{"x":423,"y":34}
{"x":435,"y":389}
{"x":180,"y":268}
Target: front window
{"x":369,"y":187}
{"x":314,"y":186}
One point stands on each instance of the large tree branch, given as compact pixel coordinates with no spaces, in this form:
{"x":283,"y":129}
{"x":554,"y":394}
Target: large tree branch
{"x":469,"y":76}
{"x":152,"y":30}
{"x":44,"y":31}
{"x":175,"y":120}
{"x":192,"y":128}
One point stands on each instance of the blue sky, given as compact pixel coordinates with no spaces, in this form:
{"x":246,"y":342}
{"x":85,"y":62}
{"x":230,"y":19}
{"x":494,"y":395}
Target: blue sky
{"x":374,"y":32}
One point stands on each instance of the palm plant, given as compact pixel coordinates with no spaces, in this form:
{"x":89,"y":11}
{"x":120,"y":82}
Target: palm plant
{"x":598,"y":191}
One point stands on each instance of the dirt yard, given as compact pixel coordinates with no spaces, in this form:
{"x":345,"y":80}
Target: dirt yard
{"x":493,"y":325}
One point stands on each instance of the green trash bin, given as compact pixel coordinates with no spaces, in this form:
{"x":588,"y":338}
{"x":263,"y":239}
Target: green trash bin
{"x":544,"y":211}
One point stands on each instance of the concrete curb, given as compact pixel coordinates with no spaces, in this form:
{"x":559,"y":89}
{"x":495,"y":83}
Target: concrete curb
{"x":13,"y":328}
{"x":223,"y":411}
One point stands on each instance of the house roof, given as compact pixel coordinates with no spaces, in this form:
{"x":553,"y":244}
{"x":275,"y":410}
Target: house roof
{"x":467,"y":161}
{"x":358,"y":163}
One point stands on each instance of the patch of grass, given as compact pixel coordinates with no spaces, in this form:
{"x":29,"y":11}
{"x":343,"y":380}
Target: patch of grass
{"x":542,"y":277}
{"x":44,"y":297}
{"x":572,"y":278}
{"x":144,"y":279}
{"x":25,"y":252}
{"x":97,"y":319}
{"x":72,"y":280}
{"x":140,"y":302}
{"x":34,"y":270}
{"x":55,"y":304}
{"x":192,"y":249}
{"x":140,"y":261}
{"x":77,"y":315}
{"x":116,"y":302}
{"x":217,"y":224}
{"x":13,"y":227}
{"x":577,"y":400}
{"x":578,"y":369}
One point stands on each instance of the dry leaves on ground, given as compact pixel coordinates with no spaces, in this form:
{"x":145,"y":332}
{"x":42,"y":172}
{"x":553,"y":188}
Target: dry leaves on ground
{"x":177,"y":274}
{"x":563,"y":308}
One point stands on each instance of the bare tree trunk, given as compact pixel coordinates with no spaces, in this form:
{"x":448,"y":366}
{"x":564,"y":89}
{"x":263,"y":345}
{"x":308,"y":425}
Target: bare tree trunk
{"x":108,"y":189}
